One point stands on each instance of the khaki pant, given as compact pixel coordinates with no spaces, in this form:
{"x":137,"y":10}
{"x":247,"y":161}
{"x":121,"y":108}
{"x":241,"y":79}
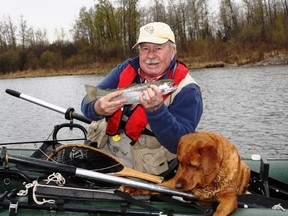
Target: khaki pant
{"x":120,"y":149}
{"x":146,"y":155}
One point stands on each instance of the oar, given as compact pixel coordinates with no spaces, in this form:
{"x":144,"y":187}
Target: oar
{"x":88,"y":174}
{"x":68,"y":113}
{"x":95,"y":159}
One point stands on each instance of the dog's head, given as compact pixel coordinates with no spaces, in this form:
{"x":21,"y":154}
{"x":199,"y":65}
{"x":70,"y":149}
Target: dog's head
{"x":199,"y":160}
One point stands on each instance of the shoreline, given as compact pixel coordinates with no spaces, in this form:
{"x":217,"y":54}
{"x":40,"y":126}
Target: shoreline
{"x":280,"y":59}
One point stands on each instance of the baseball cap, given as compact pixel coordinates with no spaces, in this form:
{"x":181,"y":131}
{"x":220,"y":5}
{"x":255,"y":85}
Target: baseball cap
{"x":155,"y":32}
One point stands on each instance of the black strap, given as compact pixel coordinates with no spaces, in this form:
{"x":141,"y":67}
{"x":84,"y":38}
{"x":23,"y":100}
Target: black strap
{"x":191,"y":205}
{"x":172,"y":167}
{"x":78,"y":193}
{"x":133,"y":201}
{"x":147,"y":132}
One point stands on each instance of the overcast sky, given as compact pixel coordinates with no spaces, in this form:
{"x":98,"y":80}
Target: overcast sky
{"x":47,"y":14}
{"x":44,"y":14}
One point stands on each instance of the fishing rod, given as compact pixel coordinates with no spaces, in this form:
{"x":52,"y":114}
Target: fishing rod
{"x":69,"y":113}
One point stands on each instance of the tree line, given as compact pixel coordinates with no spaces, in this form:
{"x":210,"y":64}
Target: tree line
{"x":107,"y":31}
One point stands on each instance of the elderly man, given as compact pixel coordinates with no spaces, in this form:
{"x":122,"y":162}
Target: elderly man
{"x":145,"y":137}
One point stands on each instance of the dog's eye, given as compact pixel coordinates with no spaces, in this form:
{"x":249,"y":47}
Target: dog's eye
{"x":192,"y":167}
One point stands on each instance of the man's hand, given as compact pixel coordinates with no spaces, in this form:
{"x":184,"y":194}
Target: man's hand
{"x":105,"y":106}
{"x":152,"y":98}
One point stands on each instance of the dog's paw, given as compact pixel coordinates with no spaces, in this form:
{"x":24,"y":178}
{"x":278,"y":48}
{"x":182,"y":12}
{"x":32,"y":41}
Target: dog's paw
{"x":133,"y":191}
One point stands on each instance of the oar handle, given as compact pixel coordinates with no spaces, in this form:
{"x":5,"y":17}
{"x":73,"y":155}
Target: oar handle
{"x":69,"y":113}
{"x":13,"y":92}
{"x":43,"y":164}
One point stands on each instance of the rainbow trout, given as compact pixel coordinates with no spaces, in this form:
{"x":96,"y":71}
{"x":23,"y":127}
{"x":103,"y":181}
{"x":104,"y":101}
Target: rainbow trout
{"x":131,"y":92}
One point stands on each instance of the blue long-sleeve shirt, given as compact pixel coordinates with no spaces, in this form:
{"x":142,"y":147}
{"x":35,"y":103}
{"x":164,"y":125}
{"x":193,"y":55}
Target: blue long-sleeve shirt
{"x":167,"y":123}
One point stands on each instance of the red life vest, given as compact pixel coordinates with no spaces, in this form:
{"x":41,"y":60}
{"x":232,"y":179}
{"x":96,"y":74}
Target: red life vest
{"x":137,"y":122}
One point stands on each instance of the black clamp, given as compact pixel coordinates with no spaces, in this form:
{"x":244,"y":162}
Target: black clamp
{"x":264,"y":174}
{"x":13,"y":209}
{"x":3,"y":155}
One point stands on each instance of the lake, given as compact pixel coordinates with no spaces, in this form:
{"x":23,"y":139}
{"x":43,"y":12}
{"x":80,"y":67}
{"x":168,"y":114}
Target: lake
{"x":248,"y":105}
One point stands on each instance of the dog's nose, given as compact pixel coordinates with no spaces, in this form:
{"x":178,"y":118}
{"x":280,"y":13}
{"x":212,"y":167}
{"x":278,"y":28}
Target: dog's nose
{"x":179,"y":184}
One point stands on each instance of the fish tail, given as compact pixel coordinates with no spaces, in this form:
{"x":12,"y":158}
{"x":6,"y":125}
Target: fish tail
{"x":94,"y":93}
{"x":91,"y":93}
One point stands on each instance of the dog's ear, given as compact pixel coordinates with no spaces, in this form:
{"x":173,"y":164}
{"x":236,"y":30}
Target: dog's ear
{"x":183,"y":142}
{"x":209,"y":159}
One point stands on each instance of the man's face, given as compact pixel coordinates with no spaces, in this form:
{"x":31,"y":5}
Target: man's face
{"x":156,"y":58}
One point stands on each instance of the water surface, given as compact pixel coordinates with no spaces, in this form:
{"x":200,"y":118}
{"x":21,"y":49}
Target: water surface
{"x":248,"y":105}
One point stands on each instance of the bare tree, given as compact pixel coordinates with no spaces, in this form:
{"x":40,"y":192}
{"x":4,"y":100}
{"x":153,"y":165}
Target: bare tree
{"x":193,"y":21}
{"x":8,"y":33}
{"x":228,"y":19}
{"x":23,"y":32}
{"x":128,"y":16}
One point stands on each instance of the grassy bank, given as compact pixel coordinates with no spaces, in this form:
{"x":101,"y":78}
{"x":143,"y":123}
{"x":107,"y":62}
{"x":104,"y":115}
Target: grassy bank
{"x":271,"y":58}
{"x":81,"y":70}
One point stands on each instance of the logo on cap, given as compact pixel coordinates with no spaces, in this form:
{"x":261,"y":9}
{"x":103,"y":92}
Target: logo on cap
{"x":149,"y":29}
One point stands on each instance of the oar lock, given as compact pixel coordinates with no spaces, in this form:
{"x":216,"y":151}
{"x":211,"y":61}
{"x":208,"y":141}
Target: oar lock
{"x":69,"y":113}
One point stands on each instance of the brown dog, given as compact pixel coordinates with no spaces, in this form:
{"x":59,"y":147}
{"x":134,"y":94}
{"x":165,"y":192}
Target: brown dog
{"x":209,"y":167}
